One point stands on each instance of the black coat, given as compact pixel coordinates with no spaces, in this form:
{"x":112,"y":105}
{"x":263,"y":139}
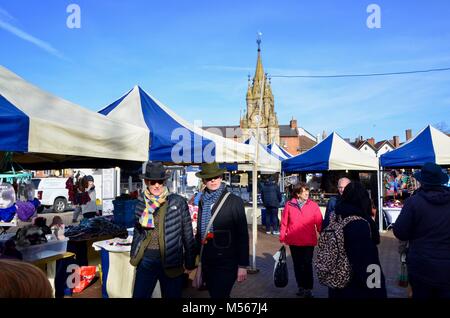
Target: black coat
{"x":425,"y":222}
{"x":360,"y":242}
{"x":270,"y":195}
{"x":230,"y":246}
{"x":179,"y":247}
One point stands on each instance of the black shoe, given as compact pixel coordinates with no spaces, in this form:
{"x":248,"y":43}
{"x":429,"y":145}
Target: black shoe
{"x":301,"y":292}
{"x":308,"y":294}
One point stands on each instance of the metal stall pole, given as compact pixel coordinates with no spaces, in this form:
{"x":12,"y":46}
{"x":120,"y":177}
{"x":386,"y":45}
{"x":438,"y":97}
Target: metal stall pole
{"x":255,"y":173}
{"x":130,"y":184}
{"x":380,"y":198}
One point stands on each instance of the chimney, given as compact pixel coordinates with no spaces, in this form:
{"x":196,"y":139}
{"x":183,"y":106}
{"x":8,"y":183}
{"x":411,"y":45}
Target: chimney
{"x":408,"y":134}
{"x":293,"y":123}
{"x":371,"y":141}
{"x":396,"y":141}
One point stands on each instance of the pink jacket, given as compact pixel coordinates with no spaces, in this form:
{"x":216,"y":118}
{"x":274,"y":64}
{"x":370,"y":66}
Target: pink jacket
{"x":298,"y":226}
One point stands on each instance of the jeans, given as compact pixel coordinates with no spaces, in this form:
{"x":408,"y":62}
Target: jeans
{"x":148,"y":272}
{"x":302,"y":257}
{"x":76,"y":213}
{"x":272,"y":219}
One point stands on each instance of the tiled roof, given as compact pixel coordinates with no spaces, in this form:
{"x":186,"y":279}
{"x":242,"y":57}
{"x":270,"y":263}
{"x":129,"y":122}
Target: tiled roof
{"x":380,"y":144}
{"x":287,"y":131}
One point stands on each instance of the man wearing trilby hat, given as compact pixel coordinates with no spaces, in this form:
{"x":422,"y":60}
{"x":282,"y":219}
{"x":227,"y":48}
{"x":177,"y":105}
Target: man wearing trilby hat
{"x":425,"y":222}
{"x":163,"y":243}
{"x":222,"y":234}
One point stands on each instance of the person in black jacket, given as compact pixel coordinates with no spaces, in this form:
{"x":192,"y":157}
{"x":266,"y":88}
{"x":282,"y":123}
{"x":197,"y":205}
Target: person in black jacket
{"x":163,"y":242}
{"x":225,"y":253}
{"x":425,"y":223}
{"x":271,"y":198}
{"x":361,"y":238}
{"x":331,"y":206}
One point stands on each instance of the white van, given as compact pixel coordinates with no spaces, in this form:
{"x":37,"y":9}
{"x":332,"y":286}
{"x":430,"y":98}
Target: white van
{"x":52,"y":193}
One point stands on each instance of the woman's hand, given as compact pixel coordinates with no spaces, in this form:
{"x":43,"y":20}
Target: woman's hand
{"x":242,"y":274}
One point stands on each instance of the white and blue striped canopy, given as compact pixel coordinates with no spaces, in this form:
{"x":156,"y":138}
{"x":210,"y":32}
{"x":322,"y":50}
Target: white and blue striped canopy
{"x":277,"y":150}
{"x":332,"y":153}
{"x":34,"y":121}
{"x":430,"y":145}
{"x":168,"y":132}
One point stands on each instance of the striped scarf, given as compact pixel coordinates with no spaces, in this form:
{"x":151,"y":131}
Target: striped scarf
{"x":152,"y":203}
{"x":209,"y":198}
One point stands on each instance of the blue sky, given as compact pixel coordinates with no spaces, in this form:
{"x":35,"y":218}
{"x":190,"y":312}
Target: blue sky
{"x":195,"y":56}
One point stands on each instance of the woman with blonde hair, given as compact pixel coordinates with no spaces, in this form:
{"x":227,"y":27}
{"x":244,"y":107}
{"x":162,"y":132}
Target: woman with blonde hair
{"x":23,"y":280}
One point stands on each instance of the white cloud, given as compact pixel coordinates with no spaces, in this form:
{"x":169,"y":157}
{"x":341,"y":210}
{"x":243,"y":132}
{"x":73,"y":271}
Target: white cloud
{"x":31,"y":39}
{"x":6,"y":15}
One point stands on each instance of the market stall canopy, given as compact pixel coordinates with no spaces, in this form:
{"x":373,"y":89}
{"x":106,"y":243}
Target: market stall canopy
{"x":332,"y":153}
{"x":44,"y":129}
{"x":173,"y":139}
{"x":280,"y":152}
{"x":267,"y":162}
{"x":430,"y":145}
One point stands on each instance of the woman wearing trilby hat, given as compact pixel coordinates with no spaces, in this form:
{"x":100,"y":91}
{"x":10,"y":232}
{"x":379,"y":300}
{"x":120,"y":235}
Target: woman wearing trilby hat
{"x":163,"y":243}
{"x":425,"y":222}
{"x":222,"y":234}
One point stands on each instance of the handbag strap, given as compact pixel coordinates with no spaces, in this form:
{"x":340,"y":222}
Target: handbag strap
{"x":211,"y":222}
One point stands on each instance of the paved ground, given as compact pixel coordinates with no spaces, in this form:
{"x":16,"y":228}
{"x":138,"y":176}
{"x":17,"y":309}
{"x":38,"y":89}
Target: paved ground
{"x":261,"y":284}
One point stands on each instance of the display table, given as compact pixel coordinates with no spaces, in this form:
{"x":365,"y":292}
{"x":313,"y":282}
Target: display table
{"x":117,"y":273}
{"x":49,"y":263}
{"x":86,"y":254}
{"x":391,"y":214}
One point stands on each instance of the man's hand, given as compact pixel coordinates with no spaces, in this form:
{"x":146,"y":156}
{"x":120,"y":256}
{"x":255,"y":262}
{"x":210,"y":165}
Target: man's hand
{"x":242,"y":274}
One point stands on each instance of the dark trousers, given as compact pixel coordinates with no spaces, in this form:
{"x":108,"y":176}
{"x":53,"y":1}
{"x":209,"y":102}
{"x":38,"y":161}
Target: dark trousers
{"x":272,"y":219}
{"x":219,"y":281}
{"x":421,"y":290}
{"x":148,"y":272}
{"x":302,"y":257}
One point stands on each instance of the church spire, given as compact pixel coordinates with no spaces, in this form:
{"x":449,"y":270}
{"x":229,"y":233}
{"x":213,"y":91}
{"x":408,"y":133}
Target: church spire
{"x":249,"y":89}
{"x":259,"y":73}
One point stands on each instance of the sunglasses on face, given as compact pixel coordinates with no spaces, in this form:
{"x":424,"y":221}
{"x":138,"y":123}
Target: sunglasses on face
{"x":211,"y":179}
{"x":153,"y":182}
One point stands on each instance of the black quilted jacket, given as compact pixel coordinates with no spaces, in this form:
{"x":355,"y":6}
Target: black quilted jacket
{"x":178,"y":234}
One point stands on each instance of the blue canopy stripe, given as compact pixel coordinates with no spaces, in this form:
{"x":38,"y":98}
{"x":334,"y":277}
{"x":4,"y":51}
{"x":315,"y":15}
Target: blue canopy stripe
{"x":105,"y":111}
{"x":164,"y":136}
{"x":415,"y":153}
{"x":170,"y":140}
{"x":274,"y":154}
{"x":315,"y":159}
{"x":14,"y":127}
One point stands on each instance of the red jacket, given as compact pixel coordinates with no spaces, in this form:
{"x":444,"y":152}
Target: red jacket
{"x":298,"y":226}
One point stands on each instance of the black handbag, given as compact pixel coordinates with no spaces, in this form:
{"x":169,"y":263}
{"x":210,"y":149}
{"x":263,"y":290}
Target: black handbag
{"x":280,"y":273}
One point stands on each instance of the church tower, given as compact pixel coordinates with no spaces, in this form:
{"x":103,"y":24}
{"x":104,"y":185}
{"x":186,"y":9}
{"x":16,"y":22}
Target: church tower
{"x":268,"y":126}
